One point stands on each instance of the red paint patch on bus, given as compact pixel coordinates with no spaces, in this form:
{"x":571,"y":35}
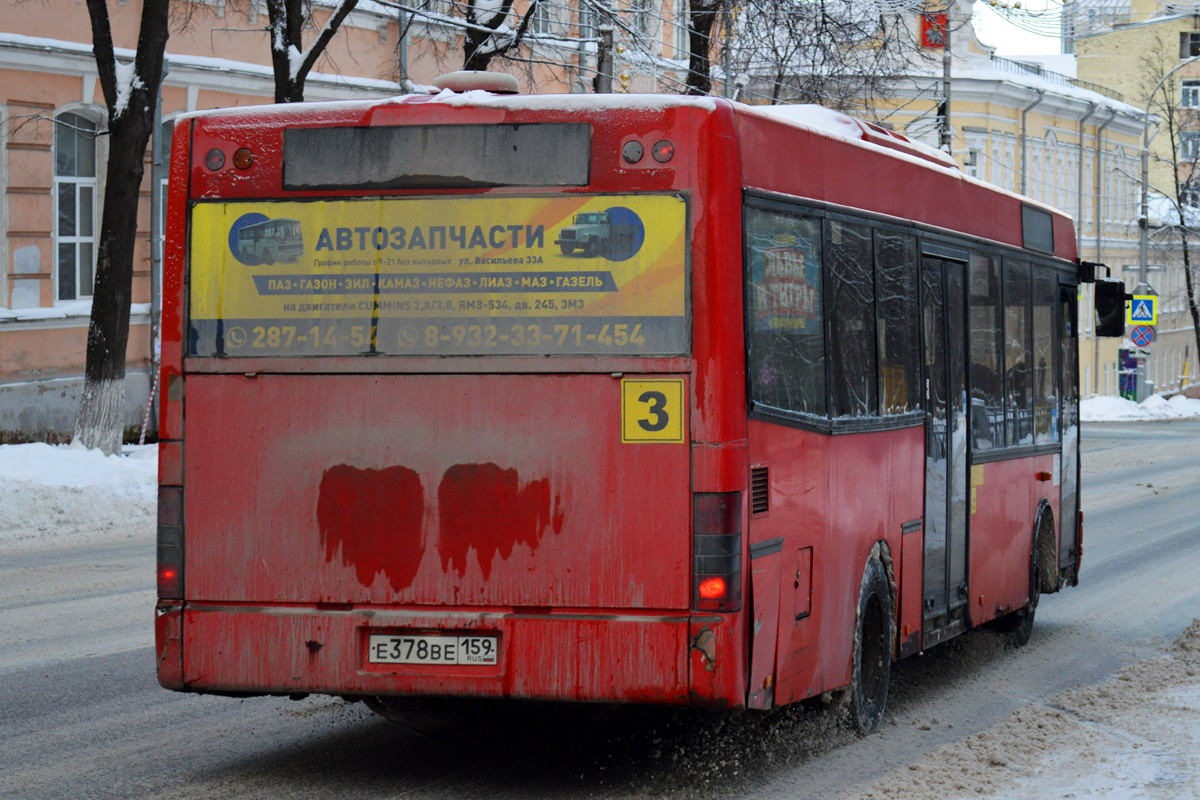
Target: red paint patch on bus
{"x":485,"y":508}
{"x":373,"y":516}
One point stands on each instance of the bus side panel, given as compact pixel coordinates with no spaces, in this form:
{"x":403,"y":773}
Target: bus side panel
{"x":1004,"y":502}
{"x":837,"y":495}
{"x":619,"y":658}
{"x":876,"y":484}
{"x":797,"y":513}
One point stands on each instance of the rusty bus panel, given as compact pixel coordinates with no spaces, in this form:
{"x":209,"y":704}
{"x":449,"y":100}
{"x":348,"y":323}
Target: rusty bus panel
{"x":436,"y":490}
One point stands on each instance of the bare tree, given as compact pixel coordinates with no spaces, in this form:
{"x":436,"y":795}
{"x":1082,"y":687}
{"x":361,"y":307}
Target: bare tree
{"x":702,"y":18}
{"x":289,"y":60}
{"x":839,"y":53}
{"x":131,"y":92}
{"x":1180,"y":132}
{"x":485,"y":35}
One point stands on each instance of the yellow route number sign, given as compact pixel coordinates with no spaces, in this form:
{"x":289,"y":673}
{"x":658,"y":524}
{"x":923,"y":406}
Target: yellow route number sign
{"x":652,"y":410}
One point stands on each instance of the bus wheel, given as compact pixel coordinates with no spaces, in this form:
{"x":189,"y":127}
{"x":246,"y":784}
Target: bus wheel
{"x":592,"y":248}
{"x":426,"y":716}
{"x":567,"y":249}
{"x":268,"y":257}
{"x":1018,"y":626}
{"x":872,"y":666}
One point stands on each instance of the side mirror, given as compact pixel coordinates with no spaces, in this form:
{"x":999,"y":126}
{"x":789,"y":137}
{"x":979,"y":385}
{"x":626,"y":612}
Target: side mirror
{"x":1110,"y":307}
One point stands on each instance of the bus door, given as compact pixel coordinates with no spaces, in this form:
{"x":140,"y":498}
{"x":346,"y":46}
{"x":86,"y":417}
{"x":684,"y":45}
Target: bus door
{"x":1069,"y":418}
{"x":943,"y":313}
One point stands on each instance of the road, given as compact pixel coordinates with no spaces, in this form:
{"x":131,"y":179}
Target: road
{"x":82,"y":716}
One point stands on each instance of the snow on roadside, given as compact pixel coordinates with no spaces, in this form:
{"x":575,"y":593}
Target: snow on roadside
{"x":1134,"y":735}
{"x":52,"y":492}
{"x":1118,"y":409}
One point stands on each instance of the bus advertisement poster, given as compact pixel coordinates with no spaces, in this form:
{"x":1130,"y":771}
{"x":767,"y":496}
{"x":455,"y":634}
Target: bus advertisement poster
{"x":572,"y":275}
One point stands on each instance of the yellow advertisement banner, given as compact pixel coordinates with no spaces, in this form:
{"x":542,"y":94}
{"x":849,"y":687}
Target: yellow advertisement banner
{"x":580,"y":274}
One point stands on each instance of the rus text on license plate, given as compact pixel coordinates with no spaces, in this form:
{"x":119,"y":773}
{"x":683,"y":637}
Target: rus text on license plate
{"x":422,"y":648}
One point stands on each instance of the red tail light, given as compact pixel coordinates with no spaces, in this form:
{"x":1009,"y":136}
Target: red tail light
{"x":717,"y":552}
{"x":170,"y":542}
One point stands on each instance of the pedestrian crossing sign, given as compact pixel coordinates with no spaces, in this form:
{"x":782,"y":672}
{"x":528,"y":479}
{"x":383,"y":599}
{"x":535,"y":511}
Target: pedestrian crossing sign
{"x":1143,"y":310}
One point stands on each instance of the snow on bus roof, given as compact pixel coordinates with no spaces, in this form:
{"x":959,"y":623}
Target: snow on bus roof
{"x":825,"y":121}
{"x":574,"y":102}
{"x":476,"y":98}
{"x":834,"y":124}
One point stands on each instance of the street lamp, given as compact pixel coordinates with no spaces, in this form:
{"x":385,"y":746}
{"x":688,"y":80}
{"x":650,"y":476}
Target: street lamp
{"x":1144,"y":222}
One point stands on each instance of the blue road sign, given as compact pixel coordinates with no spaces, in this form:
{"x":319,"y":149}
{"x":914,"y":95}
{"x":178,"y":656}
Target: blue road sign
{"x":1142,"y":335}
{"x":1143,"y":310}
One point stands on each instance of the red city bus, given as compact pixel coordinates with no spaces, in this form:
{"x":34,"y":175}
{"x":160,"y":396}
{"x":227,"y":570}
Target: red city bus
{"x":632,"y":399}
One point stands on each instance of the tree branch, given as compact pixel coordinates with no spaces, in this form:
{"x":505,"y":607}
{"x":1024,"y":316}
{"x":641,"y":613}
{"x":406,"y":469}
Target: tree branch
{"x":318,"y":47}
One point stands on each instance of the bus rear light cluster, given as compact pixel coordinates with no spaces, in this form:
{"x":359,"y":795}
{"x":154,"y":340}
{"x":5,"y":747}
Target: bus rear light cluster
{"x":243,"y":158}
{"x":170,"y":542}
{"x":214,"y":159}
{"x":717,"y":551}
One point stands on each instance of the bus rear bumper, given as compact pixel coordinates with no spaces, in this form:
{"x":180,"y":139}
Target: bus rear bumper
{"x":586,"y":656}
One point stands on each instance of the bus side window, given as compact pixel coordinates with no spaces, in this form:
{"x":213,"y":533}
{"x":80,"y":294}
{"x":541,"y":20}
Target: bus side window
{"x":849,"y":255}
{"x":785,"y":336}
{"x":1045,"y":376}
{"x":899,"y":331}
{"x":1018,"y":375}
{"x":987,"y":386}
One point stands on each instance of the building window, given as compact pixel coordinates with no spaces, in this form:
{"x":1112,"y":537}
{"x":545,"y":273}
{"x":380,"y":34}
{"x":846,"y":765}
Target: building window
{"x":74,"y":205}
{"x":1189,"y":145}
{"x":639,"y":14}
{"x":681,"y":29}
{"x":1189,"y":45}
{"x":1190,"y":97}
{"x":541,"y":18}
{"x":1189,"y":195}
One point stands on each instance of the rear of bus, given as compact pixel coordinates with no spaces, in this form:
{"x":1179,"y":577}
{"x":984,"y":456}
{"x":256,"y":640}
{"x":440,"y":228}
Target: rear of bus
{"x":436,"y":452}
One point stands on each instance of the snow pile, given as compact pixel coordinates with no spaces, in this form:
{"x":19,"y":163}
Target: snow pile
{"x":1118,"y":409}
{"x":50,"y":491}
{"x":1125,"y":737}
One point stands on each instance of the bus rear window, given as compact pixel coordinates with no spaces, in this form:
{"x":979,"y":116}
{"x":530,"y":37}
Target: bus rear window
{"x":436,"y":156}
{"x":554,"y":275}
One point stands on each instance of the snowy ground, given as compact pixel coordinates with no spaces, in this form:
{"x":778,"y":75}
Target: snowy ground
{"x":50,"y":495}
{"x":1118,"y":409}
{"x":1135,"y":735}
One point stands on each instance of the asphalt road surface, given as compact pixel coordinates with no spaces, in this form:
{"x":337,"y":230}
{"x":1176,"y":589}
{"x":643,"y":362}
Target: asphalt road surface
{"x":81,"y":714}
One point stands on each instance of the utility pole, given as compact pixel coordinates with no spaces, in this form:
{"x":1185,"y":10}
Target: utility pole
{"x":604,"y":61}
{"x":726,"y":63}
{"x":946,"y":139}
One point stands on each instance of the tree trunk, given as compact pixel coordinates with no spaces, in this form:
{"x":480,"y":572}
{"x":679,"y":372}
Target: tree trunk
{"x":475,"y":38}
{"x":1190,"y":282}
{"x":702,"y":15}
{"x":130,"y":123}
{"x":99,"y":420}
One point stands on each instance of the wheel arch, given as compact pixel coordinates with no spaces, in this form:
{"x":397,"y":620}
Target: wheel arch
{"x":1045,"y":545}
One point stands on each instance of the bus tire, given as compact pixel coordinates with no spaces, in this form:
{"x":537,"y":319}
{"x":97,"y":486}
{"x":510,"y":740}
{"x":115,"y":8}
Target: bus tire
{"x":268,"y":257}
{"x":567,"y":249}
{"x":432,"y":717}
{"x":871,"y":668}
{"x":592,"y":248}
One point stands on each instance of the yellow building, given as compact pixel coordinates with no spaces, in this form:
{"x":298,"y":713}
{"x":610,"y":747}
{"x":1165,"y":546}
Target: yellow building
{"x":1069,"y":143}
{"x":1133,"y":58}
